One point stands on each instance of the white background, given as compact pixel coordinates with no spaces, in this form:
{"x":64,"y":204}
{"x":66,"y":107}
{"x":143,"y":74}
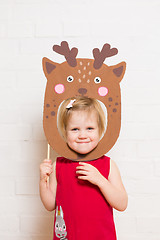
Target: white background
{"x":28,"y":30}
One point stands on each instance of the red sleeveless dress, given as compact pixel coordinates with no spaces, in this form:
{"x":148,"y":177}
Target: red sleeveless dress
{"x":82,"y":213}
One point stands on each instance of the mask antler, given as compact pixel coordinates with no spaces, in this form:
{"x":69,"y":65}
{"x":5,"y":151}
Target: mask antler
{"x":70,"y":55}
{"x":100,"y":57}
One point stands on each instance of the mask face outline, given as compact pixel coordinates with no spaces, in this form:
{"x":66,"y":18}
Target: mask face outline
{"x":82,"y":77}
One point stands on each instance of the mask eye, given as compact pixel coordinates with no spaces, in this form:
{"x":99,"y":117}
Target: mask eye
{"x":97,"y":80}
{"x":70,"y":78}
{"x":56,"y":225}
{"x":64,"y":227}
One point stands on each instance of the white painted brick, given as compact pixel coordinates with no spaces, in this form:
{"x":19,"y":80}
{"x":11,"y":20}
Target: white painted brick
{"x":130,"y":211}
{"x":20,"y":168}
{"x":21,"y":62}
{"x":157,"y":167}
{"x":141,"y":46}
{"x":36,"y":12}
{"x":27,"y":169}
{"x":7,"y":186}
{"x":20,"y":30}
{"x":30,"y":79}
{"x":9,"y":47}
{"x":38,"y":133}
{"x":139,"y":168}
{"x":9,"y":236}
{"x":123,"y":149}
{"x":29,"y":96}
{"x":36,"y":224}
{"x":27,"y":186}
{"x":34,"y":150}
{"x":9,"y":115}
{"x":32,"y":2}
{"x":148,"y":224}
{"x":141,"y":113}
{"x":146,"y":186}
{"x":8,"y":206}
{"x":5,"y":12}
{"x":140,"y":131}
{"x":9,"y":150}
{"x":31,"y":114}
{"x":147,"y":207}
{"x":74,"y":28}
{"x":137,"y":96}
{"x":12,"y":132}
{"x":31,"y":205}
{"x":22,"y":205}
{"x":104,"y":28}
{"x":8,"y":79}
{"x":9,"y":223}
{"x":125,"y":224}
{"x":48,"y":29}
{"x":148,"y":148}
{"x":138,"y":236}
{"x":3,"y":31}
{"x":39,"y":46}
{"x":7,"y":97}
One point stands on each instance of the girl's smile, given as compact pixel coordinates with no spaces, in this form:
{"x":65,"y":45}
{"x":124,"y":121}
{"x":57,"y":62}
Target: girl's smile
{"x":82,"y":132}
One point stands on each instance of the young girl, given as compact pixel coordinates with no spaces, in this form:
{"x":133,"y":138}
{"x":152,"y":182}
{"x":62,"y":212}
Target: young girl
{"x":83,"y":193}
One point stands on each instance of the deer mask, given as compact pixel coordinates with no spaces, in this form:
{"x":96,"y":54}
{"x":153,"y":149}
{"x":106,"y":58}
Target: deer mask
{"x":82,"y":77}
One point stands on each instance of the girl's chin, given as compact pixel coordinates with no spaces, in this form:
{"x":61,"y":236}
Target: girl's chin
{"x":84,"y":151}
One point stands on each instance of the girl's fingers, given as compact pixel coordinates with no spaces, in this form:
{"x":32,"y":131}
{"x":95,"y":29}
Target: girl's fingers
{"x":83,"y":164}
{"x":84,"y":167}
{"x":83,"y":177}
{"x":47,"y":161}
{"x":81,"y":172}
{"x":81,"y":168}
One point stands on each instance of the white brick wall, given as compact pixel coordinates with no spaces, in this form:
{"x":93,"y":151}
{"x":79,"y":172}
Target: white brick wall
{"x":28,"y":30}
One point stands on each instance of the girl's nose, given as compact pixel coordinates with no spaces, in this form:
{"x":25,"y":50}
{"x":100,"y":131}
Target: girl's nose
{"x":82,"y":134}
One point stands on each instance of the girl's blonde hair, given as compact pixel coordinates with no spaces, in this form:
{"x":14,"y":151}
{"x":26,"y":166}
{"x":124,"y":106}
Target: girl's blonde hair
{"x":80,"y":104}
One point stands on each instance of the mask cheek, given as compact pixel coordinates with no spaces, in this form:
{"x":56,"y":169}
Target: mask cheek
{"x":59,"y":88}
{"x":102,"y":91}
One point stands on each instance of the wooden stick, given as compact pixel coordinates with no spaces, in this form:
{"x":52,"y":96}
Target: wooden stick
{"x":48,"y":151}
{"x":48,"y":157}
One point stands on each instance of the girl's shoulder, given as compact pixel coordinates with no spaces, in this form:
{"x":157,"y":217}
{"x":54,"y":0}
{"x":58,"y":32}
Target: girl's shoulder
{"x":114,"y":171}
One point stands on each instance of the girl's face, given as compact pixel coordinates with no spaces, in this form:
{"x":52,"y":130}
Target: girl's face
{"x":82,"y":132}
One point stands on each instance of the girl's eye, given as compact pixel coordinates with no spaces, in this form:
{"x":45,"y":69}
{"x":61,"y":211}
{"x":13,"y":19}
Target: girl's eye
{"x":70,"y":78}
{"x":75,"y":129}
{"x":90,"y":128}
{"x":97,"y":80}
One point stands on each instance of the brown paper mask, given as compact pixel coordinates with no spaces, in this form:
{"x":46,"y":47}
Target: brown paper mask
{"x":82,"y":77}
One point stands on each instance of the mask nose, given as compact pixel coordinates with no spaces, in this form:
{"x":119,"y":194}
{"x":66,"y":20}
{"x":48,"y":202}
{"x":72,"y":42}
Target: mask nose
{"x":82,"y":91}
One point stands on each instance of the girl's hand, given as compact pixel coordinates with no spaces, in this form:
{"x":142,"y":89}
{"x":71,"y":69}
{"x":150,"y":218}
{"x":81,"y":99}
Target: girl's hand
{"x":88,"y":172}
{"x":46,"y":168}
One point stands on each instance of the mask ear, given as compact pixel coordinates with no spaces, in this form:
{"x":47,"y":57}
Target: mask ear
{"x":48,"y":66}
{"x":119,"y":70}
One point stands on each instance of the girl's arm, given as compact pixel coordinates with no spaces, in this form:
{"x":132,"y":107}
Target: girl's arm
{"x":48,"y":188}
{"x":112,"y":189}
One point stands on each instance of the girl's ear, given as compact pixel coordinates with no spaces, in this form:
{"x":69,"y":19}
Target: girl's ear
{"x":119,"y":70}
{"x":48,"y":66}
